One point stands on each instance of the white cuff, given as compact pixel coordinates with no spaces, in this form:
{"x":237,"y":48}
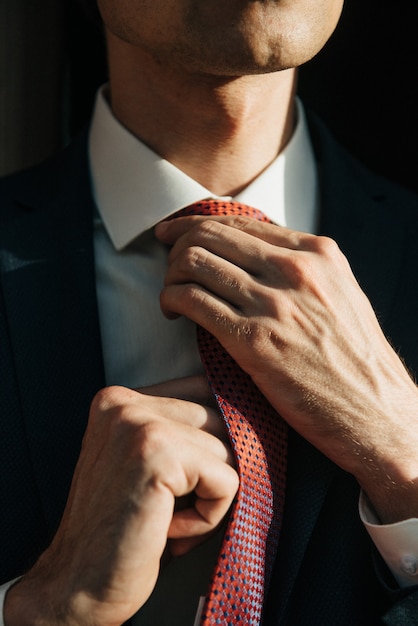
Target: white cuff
{"x":397,"y":543}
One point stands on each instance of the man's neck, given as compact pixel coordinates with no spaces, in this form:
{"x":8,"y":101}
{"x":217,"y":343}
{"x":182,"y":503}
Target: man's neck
{"x":220,"y":131}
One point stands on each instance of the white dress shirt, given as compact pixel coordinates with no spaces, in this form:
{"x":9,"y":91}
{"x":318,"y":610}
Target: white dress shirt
{"x":134,"y":189}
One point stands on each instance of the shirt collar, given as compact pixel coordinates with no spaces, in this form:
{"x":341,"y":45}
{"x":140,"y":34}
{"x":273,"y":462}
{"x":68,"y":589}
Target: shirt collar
{"x":134,"y":188}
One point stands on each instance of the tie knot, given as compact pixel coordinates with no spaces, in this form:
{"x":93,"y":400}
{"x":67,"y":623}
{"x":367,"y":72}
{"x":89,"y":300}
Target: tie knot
{"x":222,"y":207}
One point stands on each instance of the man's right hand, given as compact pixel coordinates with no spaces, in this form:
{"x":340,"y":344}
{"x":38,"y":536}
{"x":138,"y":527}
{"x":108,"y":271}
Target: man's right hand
{"x":140,"y":453}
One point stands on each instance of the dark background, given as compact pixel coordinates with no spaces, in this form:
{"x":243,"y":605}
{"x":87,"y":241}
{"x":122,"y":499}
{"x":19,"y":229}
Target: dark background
{"x":365,"y":85}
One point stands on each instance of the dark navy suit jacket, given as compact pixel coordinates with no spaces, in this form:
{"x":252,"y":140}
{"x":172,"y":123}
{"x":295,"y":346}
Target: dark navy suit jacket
{"x":327,"y":572}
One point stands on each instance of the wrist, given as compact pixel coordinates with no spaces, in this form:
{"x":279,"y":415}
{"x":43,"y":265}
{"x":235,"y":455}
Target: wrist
{"x":22,"y":606}
{"x":387,"y":458}
{"x":393,"y":501}
{"x":390,"y":482}
{"x":29,"y":602}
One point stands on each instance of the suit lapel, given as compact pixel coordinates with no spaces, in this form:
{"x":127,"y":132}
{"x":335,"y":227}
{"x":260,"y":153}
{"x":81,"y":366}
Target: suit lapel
{"x":357,"y":213}
{"x":353,"y":213}
{"x":309,"y":477}
{"x":50,"y":300}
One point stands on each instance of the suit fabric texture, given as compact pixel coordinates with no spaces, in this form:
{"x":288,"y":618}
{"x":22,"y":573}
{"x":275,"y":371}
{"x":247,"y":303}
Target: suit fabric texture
{"x":327,"y":571}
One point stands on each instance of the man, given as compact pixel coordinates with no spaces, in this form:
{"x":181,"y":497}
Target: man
{"x":201,"y":103}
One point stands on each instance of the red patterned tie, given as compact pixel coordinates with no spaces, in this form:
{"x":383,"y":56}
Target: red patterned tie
{"x":259,"y":439}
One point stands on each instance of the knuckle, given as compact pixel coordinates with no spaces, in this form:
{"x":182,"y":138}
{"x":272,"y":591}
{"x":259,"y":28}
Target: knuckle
{"x":152,"y":438}
{"x":112,"y":411}
{"x":297,"y":268}
{"x":240,"y":222}
{"x":183,"y":299}
{"x":204,"y":230}
{"x":302,"y":267}
{"x":106,"y":400}
{"x":209,"y":227}
{"x":193,"y":297}
{"x":123,"y":418}
{"x":325,"y":246}
{"x":192,"y":258}
{"x":109,"y":421}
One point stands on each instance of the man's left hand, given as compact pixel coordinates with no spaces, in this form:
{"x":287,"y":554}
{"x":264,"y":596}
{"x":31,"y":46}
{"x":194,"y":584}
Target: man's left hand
{"x":288,"y":309}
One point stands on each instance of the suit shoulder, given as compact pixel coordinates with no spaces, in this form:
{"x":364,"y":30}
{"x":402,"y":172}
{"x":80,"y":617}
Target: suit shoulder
{"x":29,"y":188}
{"x":343,"y":172}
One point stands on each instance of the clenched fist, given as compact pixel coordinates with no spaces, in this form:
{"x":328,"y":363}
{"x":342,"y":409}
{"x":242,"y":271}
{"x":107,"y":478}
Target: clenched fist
{"x":142,"y":450}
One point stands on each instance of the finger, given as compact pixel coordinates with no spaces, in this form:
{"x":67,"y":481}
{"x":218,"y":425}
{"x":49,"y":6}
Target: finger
{"x":227,"y":323}
{"x":218,"y":483}
{"x":170,"y":231}
{"x":192,"y":414}
{"x":178,"y":547}
{"x":222,"y":277}
{"x":191,"y":388}
{"x":136,"y":409}
{"x":244,"y":250}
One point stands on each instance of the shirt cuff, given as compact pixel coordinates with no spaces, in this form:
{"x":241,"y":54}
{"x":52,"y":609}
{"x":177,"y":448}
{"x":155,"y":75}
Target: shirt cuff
{"x":397,"y":543}
{"x":3,"y":590}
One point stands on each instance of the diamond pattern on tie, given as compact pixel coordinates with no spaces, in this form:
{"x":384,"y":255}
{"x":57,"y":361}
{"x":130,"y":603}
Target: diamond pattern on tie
{"x":258,"y":437}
